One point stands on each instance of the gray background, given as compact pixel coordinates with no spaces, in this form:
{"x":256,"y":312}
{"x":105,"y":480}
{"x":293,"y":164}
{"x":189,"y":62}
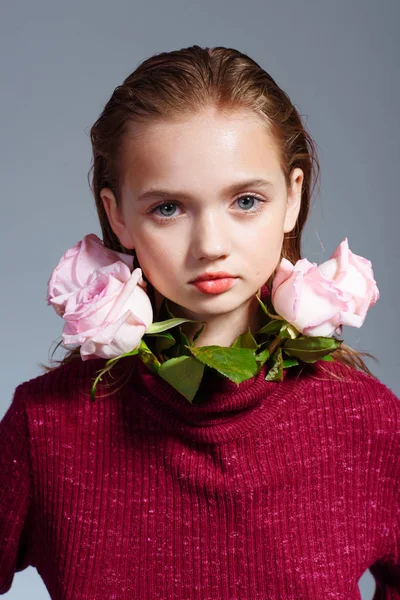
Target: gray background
{"x":60,"y":62}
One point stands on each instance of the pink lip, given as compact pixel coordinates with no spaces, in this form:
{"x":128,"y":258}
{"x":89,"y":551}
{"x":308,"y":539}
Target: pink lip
{"x":216,"y":275}
{"x":216,"y":285}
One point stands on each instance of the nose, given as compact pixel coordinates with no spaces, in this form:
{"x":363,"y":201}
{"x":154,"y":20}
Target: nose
{"x":210,"y":239}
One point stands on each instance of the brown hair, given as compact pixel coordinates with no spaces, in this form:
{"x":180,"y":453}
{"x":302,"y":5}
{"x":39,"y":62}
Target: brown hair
{"x":174,"y":84}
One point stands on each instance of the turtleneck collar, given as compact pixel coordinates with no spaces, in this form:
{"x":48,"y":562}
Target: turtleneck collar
{"x":221,"y":410}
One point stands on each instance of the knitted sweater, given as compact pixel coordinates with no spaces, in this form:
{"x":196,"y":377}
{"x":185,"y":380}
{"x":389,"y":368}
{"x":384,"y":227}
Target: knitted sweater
{"x":263,"y":490}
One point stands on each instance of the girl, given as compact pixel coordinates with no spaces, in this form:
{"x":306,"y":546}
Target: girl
{"x":266,"y":489}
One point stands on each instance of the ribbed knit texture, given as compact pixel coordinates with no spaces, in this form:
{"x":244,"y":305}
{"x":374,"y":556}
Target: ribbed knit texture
{"x":266,"y":490}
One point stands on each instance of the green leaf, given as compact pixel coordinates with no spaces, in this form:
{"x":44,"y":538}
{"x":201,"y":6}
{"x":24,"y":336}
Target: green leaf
{"x":165,"y":308}
{"x":168,"y":324}
{"x":184,"y":373}
{"x":328,"y":358}
{"x":238,"y":364}
{"x":289,"y":331}
{"x":262,"y":357}
{"x":111,"y":361}
{"x":290,"y":362}
{"x":164,"y":341}
{"x":276,"y":371}
{"x":184,"y":339}
{"x":272,"y":327}
{"x":197,"y":334}
{"x":99,"y":377}
{"x":310,"y":349}
{"x":266,"y":311}
{"x":245,"y":340}
{"x":148,"y":357}
{"x":182,"y":343}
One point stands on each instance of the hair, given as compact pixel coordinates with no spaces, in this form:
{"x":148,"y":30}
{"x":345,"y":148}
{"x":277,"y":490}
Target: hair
{"x":177,"y":84}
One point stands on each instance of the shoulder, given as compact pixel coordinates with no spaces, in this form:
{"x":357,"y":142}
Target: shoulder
{"x":356,"y":399}
{"x":339,"y":379}
{"x":58,"y":402}
{"x":67,"y":381}
{"x":357,"y":415}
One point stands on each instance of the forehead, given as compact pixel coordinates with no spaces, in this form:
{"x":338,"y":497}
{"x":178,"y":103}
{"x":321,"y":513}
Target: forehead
{"x":207,"y":145}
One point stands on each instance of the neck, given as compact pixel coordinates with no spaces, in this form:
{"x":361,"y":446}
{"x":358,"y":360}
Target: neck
{"x":220,"y":329}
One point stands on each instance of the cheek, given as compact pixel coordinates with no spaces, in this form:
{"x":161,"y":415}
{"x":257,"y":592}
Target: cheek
{"x":265,"y":237}
{"x":262,"y":246}
{"x":158,"y":258}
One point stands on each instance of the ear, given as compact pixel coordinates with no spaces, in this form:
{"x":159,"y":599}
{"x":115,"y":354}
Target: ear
{"x":115,"y":218}
{"x":293,"y":200}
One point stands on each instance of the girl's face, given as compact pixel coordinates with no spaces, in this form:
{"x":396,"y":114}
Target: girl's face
{"x":202,"y":195}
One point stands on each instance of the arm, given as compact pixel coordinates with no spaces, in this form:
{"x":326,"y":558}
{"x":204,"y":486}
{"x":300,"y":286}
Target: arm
{"x":15,"y":491}
{"x":387,"y":579}
{"x":386,"y":570}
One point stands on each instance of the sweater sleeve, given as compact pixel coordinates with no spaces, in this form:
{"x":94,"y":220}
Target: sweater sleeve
{"x":15,"y":491}
{"x":387,"y":580}
{"x":386,"y":570}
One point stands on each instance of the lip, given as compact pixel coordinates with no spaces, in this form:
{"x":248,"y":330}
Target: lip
{"x":216,"y":275}
{"x":218,"y":285}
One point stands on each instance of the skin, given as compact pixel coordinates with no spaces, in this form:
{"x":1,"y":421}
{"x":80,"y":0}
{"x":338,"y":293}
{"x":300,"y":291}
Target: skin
{"x":205,"y":228}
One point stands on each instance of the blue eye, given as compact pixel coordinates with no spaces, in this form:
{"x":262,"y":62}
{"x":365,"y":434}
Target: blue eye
{"x":168,"y":206}
{"x":248,"y":205}
{"x":252,"y":203}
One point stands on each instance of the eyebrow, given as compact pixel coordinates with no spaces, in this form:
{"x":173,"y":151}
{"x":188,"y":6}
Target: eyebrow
{"x":231,"y":189}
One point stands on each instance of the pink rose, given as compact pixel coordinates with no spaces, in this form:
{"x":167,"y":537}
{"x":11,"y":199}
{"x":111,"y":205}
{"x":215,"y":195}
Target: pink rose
{"x":318,"y":300}
{"x":77,"y":265}
{"x":104,"y":306}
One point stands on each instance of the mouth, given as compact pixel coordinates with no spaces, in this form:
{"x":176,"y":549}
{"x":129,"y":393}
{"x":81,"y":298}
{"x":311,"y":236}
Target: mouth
{"x":213,"y":276}
{"x":214,"y":284}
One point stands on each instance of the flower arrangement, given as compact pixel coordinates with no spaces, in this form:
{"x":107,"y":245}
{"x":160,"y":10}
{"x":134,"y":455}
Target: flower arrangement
{"x":108,"y":314}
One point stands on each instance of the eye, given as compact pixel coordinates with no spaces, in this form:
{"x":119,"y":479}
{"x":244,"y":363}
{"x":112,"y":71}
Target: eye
{"x":248,"y":201}
{"x":167,"y":209}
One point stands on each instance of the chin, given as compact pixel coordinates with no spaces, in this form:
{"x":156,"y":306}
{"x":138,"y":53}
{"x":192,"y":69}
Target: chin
{"x":215,"y":304}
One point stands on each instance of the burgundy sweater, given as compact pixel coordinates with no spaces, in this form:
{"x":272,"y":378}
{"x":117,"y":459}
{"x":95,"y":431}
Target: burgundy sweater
{"x":266,"y":490}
